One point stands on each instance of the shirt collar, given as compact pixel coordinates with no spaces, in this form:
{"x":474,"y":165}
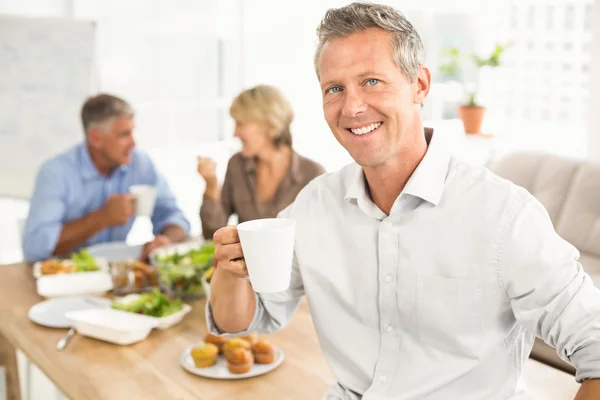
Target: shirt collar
{"x":426,"y":182}
{"x":294,"y":172}
{"x":88,"y":168}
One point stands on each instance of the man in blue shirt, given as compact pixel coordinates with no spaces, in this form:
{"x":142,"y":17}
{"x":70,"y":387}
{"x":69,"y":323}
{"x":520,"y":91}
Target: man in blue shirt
{"x":81,"y":197}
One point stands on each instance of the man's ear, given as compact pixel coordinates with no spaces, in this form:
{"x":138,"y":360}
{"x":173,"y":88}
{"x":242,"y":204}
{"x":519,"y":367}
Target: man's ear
{"x":94,"y":137}
{"x":422,"y":85}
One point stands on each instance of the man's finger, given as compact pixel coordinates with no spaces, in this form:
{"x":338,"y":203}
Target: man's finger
{"x":238,"y":267}
{"x":232,"y":251}
{"x":226,"y":235}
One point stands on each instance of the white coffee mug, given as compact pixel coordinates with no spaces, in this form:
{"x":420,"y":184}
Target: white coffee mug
{"x":145,"y":197}
{"x":268,"y":246}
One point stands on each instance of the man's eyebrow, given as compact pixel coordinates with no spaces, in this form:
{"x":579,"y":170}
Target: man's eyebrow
{"x":370,"y":73}
{"x":328,"y":83}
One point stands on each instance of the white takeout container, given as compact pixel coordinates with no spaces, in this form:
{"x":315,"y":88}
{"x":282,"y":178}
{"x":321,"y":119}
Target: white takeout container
{"x":100,"y":261}
{"x":74,"y":284}
{"x":164,"y":322}
{"x":113,"y":326}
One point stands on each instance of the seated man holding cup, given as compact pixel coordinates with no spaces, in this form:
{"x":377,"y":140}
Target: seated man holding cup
{"x":91,"y":193}
{"x":427,"y":277}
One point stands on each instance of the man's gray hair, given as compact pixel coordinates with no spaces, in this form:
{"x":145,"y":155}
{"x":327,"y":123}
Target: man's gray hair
{"x":342,"y":22}
{"x":100,"y":109}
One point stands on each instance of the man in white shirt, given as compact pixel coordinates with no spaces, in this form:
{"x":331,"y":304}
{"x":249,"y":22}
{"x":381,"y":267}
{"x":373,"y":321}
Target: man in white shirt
{"x":426,"y":278}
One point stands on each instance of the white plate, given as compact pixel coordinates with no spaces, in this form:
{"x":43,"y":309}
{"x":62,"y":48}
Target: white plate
{"x":115,"y":251}
{"x":113,"y":326}
{"x":74,"y":284}
{"x":51,"y":313}
{"x":101,"y":262}
{"x":164,"y":322}
{"x":220,"y":371}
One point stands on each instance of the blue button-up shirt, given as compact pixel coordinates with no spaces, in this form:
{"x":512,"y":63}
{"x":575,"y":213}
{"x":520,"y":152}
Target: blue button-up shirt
{"x":69,"y":187}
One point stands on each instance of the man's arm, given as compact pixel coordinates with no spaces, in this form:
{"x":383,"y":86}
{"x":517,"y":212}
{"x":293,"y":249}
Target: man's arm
{"x":174,"y":233}
{"x":76,"y":232}
{"x":550,"y":293}
{"x":232,"y":300}
{"x":233,"y":306}
{"x":589,"y":390}
{"x":117,"y":210}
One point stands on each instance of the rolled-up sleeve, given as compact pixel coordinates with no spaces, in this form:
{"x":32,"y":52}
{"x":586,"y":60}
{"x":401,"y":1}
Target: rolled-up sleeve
{"x":166,"y":212}
{"x":551,"y":295}
{"x":46,"y":213}
{"x":273,"y":310}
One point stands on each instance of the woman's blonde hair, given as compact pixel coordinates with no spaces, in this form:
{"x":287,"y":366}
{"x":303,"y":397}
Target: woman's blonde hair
{"x":266,"y":105}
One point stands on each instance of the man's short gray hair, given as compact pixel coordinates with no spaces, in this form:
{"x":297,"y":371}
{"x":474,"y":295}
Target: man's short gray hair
{"x":100,"y":109}
{"x":342,"y":22}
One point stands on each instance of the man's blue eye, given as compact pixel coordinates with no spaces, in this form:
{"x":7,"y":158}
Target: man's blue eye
{"x":335,"y":89}
{"x":372,"y":82}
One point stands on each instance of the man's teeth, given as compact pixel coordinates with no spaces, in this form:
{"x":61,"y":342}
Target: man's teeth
{"x":366,"y":129}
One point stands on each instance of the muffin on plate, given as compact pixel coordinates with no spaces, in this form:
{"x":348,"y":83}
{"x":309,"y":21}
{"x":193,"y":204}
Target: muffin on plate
{"x":234,"y":343}
{"x":205,"y":355}
{"x":239,"y":360}
{"x":251,"y":338}
{"x":264,"y":352}
{"x":218,"y":341}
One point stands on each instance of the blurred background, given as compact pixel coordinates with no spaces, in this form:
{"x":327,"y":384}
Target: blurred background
{"x":180,"y":63}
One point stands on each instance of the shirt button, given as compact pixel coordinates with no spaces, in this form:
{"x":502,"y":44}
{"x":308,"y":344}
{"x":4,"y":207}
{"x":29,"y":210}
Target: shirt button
{"x":387,"y":225}
{"x":382,"y":378}
{"x":389,"y":329}
{"x":388,"y":278}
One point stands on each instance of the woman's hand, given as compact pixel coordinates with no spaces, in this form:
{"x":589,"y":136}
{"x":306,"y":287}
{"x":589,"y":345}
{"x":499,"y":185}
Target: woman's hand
{"x":207,"y":169}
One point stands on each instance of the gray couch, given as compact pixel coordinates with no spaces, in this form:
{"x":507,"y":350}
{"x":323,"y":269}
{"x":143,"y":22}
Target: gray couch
{"x":570,"y":191}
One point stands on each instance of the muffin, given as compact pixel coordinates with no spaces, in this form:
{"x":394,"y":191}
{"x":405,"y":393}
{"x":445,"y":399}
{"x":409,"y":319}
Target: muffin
{"x":218,"y":341}
{"x":251,"y":338}
{"x":239,"y":360}
{"x":264,"y":352}
{"x":205,"y":355}
{"x":234,"y":343}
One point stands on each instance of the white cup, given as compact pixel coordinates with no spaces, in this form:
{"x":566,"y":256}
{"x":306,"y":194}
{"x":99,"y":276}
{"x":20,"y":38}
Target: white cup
{"x":145,"y":197}
{"x":268,"y":246}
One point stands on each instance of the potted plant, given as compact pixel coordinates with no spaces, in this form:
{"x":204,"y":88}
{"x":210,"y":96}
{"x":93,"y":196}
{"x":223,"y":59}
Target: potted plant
{"x":471,"y":113}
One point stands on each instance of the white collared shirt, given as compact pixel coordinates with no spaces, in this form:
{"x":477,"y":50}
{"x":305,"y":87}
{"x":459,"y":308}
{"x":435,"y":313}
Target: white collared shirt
{"x":442,"y":298}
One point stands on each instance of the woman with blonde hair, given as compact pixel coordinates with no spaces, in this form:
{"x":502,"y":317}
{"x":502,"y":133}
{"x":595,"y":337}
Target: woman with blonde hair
{"x":266,"y":176}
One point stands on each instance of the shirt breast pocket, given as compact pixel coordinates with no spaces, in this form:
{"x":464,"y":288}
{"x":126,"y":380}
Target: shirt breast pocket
{"x":450,"y":313}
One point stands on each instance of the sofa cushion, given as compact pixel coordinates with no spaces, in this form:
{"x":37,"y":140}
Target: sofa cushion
{"x":579,"y":221}
{"x":546,"y":176}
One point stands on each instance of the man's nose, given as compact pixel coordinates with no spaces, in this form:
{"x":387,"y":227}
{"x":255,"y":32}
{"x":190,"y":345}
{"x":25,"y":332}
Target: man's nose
{"x":353,"y":105}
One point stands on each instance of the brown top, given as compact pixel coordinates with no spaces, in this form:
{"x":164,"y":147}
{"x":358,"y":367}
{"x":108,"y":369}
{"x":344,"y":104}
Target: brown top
{"x":238,"y":195}
{"x":89,"y":369}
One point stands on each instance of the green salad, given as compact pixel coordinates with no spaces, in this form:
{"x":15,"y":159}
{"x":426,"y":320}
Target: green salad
{"x":182,"y":272}
{"x":83,"y":261}
{"x":153,"y":303}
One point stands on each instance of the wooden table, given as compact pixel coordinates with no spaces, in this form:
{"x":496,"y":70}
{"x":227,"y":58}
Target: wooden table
{"x":92,"y":369}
